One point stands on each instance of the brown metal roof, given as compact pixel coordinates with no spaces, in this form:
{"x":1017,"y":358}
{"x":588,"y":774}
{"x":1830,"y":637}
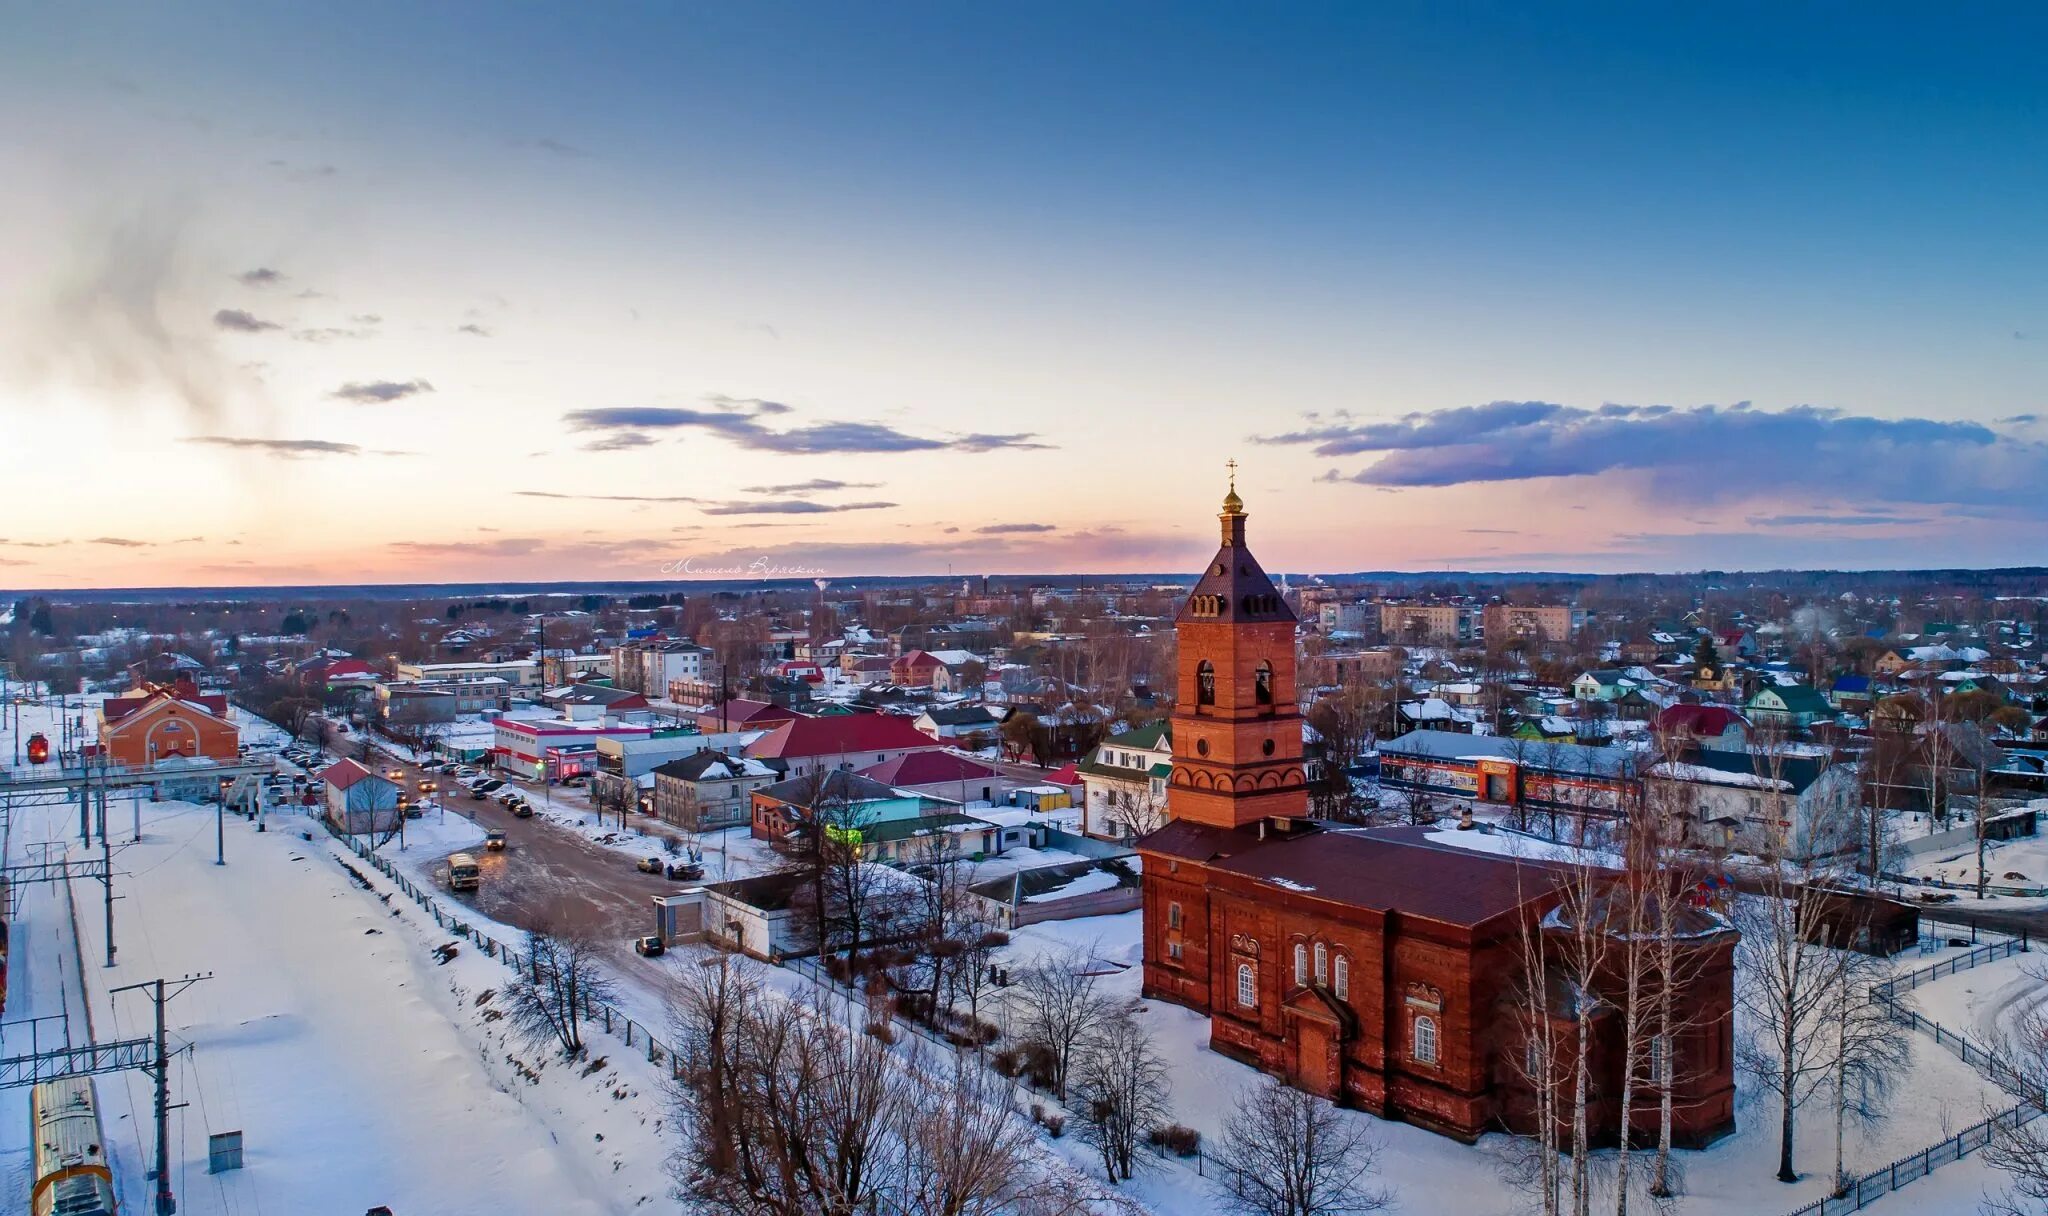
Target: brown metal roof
{"x":1379,"y":869}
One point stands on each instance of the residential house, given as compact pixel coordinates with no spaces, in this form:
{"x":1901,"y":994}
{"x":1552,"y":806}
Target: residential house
{"x":850,"y":741}
{"x":947,"y":774}
{"x":1767,"y":803}
{"x":359,"y":800}
{"x":1790,"y":706}
{"x":1683,"y":728}
{"x":956,"y":723}
{"x":1124,"y":781}
{"x":708,"y":789}
{"x":742,"y":714}
{"x":1601,"y":684}
{"x":914,"y":669}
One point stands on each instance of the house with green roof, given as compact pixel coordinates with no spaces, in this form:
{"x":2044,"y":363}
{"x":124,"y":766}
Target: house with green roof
{"x":1123,"y":782}
{"x":1796,"y":706}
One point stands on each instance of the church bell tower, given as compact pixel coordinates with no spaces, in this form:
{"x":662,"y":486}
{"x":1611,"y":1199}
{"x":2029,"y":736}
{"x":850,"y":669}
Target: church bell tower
{"x":1236,"y":727}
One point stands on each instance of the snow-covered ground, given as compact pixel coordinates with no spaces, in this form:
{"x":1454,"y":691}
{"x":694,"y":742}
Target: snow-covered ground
{"x":362,"y":1071}
{"x":1989,"y":1003}
{"x":2011,"y":863}
{"x":359,"y":1070}
{"x":1431,"y":1174}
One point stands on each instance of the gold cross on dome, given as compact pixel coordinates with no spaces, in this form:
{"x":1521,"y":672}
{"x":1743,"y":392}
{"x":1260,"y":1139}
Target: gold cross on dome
{"x":1231,"y":464}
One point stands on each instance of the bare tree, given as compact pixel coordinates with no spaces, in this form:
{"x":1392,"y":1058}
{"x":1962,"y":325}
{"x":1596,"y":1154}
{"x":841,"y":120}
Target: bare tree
{"x":1788,"y":987}
{"x":557,"y":989}
{"x":1869,"y":1049}
{"x":1289,"y":1153}
{"x":1057,"y":1005}
{"x":2020,"y":1148}
{"x":967,"y":1153}
{"x":788,"y":1112}
{"x":1123,"y":1089}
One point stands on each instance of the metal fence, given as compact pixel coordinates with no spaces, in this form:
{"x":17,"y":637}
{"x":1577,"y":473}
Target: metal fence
{"x":1949,"y":966}
{"x":615,"y":1022}
{"x":1864,"y":1190}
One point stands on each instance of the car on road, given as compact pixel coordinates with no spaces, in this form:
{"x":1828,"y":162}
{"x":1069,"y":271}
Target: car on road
{"x":494,"y":840}
{"x":686,"y":870}
{"x":649,"y":865}
{"x":648,"y":947}
{"x":465,"y":770}
{"x":522,"y":810}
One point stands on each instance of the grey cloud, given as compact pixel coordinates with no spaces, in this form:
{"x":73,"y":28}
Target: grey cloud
{"x":554,"y":146}
{"x":261,"y":276}
{"x":1851,"y":519}
{"x":289,"y":448}
{"x":606,"y":497}
{"x":473,"y":330}
{"x":816,"y":485}
{"x":619,"y":442}
{"x":1703,"y":454}
{"x":110,"y":321}
{"x":119,"y":542}
{"x":1022,"y":441}
{"x":744,"y":427}
{"x":241,"y":321}
{"x":793,"y":506}
{"x":1006,"y":529}
{"x":381,"y":391}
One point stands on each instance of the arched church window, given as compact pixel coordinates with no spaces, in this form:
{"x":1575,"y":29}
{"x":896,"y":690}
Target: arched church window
{"x":1205,"y":683}
{"x":1262,"y":685}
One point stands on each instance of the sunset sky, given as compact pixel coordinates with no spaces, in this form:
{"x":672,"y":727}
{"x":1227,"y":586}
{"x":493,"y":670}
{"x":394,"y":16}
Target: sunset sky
{"x":398,"y":293}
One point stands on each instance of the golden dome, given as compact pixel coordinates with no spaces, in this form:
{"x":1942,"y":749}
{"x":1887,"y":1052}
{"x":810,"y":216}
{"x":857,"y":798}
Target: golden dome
{"x":1232,"y":504}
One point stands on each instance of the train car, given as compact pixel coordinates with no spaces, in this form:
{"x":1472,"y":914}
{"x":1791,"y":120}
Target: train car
{"x":71,"y":1174}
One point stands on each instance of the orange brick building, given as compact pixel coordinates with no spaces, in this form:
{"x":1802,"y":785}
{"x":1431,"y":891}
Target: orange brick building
{"x":1371,"y":966}
{"x":153,"y":722}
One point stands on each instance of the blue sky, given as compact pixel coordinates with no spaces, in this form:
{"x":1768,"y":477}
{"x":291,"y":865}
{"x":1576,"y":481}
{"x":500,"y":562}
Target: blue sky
{"x":1127,"y":241}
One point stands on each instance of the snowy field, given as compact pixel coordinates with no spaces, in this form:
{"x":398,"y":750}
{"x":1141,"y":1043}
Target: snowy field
{"x":1439,"y":1177}
{"x":355,"y":1065}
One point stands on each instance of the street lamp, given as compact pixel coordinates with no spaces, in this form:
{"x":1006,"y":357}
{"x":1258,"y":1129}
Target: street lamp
{"x":220,"y":829}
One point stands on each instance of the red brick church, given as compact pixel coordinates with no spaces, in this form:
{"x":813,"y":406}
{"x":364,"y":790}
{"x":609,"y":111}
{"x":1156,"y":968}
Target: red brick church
{"x":1373,"y":966}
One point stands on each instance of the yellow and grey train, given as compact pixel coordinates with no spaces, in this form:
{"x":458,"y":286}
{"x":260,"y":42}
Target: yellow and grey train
{"x":72,"y":1177}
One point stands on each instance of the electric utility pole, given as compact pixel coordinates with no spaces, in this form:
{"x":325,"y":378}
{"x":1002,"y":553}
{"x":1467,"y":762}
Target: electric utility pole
{"x":166,"y":1202}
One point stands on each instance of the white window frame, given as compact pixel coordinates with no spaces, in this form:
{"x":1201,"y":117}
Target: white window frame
{"x":1300,"y":964}
{"x":1247,"y":986}
{"x":1322,"y":963}
{"x":1425,"y":1043}
{"x":1340,"y":982}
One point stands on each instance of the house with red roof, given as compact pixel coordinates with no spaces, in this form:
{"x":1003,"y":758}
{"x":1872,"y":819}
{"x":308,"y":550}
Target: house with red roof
{"x":739,"y":713}
{"x":1714,"y":727}
{"x":915,"y":669}
{"x":848,"y":741}
{"x":944,"y":774}
{"x":359,"y":800}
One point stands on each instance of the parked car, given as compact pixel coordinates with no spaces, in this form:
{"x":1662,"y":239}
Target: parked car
{"x":508,"y":797}
{"x":691,"y":870}
{"x":649,"y":865}
{"x":524,"y":810}
{"x":649,"y":947}
{"x":489,"y":785}
{"x":465,"y":770}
